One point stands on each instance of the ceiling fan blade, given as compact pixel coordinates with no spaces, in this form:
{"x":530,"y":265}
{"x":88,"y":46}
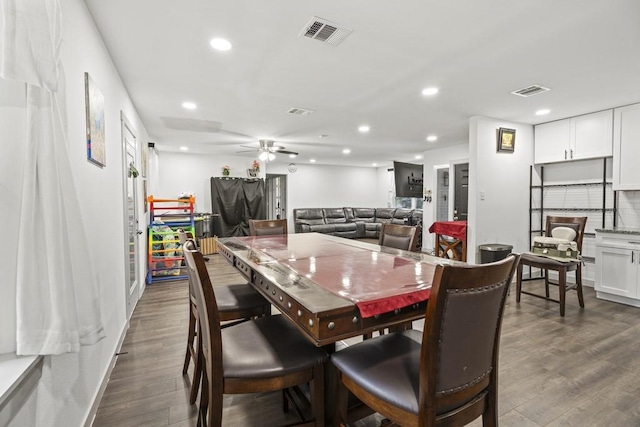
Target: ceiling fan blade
{"x":286,"y":152}
{"x":247,"y":151}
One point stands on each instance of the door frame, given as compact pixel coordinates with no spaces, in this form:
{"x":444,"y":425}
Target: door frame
{"x":132,"y":293}
{"x":270,"y":178}
{"x":452,"y":184}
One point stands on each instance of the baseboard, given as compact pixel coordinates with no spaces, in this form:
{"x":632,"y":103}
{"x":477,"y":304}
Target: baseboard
{"x":105,"y":380}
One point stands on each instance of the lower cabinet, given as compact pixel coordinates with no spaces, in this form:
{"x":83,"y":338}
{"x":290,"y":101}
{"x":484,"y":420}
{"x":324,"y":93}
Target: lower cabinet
{"x":618,"y":268}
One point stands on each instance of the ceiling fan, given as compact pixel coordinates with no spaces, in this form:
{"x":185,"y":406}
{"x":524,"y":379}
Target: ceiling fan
{"x":268,"y":150}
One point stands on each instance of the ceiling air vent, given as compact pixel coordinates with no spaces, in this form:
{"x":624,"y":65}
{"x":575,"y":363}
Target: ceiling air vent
{"x":530,"y":90}
{"x":325,"y":31}
{"x":299,"y":111}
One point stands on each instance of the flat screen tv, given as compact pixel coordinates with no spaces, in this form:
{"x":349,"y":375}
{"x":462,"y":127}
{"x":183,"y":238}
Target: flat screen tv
{"x":408,"y":177}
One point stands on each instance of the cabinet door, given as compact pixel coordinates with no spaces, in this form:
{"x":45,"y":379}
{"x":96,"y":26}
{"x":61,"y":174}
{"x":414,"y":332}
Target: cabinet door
{"x":552,"y":141}
{"x":592,"y":136}
{"x":617,"y":271}
{"x":626,"y":148}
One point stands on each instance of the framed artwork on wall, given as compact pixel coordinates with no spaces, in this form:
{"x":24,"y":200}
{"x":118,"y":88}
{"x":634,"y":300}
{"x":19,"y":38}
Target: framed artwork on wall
{"x":94,"y":104}
{"x":506,"y":139}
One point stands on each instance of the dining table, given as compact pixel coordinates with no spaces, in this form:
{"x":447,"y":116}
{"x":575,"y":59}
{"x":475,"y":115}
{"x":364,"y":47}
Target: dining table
{"x":334,"y":288}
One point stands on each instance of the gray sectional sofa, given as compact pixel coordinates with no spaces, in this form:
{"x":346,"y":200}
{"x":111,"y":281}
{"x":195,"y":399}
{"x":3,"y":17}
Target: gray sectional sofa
{"x":353,"y":223}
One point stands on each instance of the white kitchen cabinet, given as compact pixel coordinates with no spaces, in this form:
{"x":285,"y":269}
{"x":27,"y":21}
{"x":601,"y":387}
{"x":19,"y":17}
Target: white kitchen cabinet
{"x":618,"y":267}
{"x":577,"y":138}
{"x":626,"y":148}
{"x":552,"y":141}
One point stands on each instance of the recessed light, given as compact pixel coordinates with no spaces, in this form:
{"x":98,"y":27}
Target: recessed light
{"x":293,"y":156}
{"x":220,"y":44}
{"x":543,"y":112}
{"x":432,"y":138}
{"x":364,"y":129}
{"x":374,"y":164}
{"x":189,"y":105}
{"x":346,"y":151}
{"x":428,"y":91}
{"x":418,"y":156}
{"x":184,"y":148}
{"x":312,"y":160}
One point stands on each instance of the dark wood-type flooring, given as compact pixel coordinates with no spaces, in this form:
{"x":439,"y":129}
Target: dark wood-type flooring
{"x":580,"y":370}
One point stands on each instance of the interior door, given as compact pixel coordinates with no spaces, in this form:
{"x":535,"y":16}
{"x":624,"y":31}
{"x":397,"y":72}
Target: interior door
{"x":461,"y":192}
{"x":276,"y":190}
{"x":442,"y":194}
{"x":132,"y":282}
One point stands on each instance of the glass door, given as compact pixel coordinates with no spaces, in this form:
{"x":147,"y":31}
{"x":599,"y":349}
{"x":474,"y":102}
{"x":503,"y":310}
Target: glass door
{"x":131,"y":217}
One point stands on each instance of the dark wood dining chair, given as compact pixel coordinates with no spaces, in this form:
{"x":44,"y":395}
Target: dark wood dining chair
{"x":578,"y":224}
{"x":446,"y":375}
{"x":398,"y":236}
{"x":236,"y":302}
{"x":267,"y":227}
{"x":263,"y":354}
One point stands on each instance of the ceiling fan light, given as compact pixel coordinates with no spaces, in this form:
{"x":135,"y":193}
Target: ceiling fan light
{"x":271,"y":156}
{"x":263,"y":156}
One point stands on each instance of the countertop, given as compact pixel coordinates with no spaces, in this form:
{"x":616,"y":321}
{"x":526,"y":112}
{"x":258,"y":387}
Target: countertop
{"x":619,"y":230}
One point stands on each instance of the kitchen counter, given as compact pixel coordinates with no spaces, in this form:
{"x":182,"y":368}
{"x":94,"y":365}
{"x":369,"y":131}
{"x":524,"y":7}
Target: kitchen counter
{"x":619,"y":230}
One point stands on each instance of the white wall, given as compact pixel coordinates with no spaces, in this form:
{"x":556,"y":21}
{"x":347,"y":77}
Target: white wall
{"x":69,"y":383}
{"x":432,"y":159}
{"x":191,"y":173}
{"x":503,"y":177}
{"x":319,"y":186}
{"x":311,"y":186}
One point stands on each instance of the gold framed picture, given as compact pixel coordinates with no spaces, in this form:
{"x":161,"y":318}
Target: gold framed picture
{"x":506,"y":139}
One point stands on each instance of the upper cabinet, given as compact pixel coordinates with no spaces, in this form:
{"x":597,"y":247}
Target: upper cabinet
{"x":583,"y":137}
{"x":626,"y":148}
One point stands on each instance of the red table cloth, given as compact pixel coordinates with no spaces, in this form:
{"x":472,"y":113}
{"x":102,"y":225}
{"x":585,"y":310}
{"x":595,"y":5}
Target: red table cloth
{"x":455,"y":229}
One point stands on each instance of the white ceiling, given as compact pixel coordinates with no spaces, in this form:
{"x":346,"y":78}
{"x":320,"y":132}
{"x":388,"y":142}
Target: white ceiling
{"x":475,"y":51}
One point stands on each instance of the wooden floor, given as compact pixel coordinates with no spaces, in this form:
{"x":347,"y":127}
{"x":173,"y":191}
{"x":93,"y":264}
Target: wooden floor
{"x":580,"y":370}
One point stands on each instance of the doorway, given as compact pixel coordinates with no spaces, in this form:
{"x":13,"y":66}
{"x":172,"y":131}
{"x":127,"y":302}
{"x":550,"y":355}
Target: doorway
{"x":276,"y":191}
{"x":442,"y":194}
{"x":461,"y":192}
{"x":131,"y":232}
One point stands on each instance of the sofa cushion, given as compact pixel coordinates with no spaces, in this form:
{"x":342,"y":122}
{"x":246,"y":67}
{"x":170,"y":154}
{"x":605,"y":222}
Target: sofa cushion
{"x":322,"y":228}
{"x":372,"y":226}
{"x":384,"y":214}
{"x":347,"y":226}
{"x":312,"y":216}
{"x":402,"y":216}
{"x":334,"y":215}
{"x":364,"y":214}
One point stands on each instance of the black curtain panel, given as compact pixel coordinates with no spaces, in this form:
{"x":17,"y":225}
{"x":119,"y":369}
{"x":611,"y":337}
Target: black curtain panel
{"x":236,"y":201}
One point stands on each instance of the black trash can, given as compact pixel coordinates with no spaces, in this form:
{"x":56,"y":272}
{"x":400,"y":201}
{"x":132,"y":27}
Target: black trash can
{"x":491,"y":252}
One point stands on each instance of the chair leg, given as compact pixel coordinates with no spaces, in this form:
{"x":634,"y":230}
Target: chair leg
{"x":562,"y":288}
{"x":190,"y":337}
{"x":546,"y":283}
{"x":519,"y":282}
{"x":197,"y":373}
{"x":204,"y":402}
{"x":341,"y":405}
{"x":215,"y":407}
{"x":317,"y":395}
{"x":579,"y":286}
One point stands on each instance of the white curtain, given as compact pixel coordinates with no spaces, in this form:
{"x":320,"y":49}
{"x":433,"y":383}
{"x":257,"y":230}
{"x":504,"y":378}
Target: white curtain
{"x":58,"y":306}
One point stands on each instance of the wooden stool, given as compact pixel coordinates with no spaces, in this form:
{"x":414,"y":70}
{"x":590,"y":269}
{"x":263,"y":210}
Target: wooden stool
{"x":455,"y":246}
